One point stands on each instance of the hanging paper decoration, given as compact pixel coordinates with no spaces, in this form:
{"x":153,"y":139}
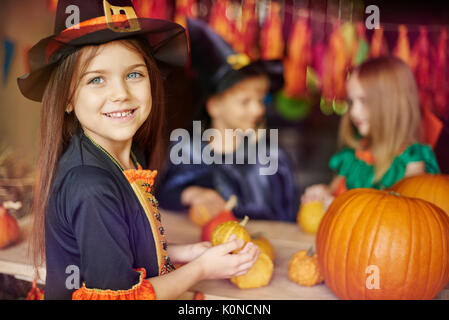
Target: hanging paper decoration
{"x":248,"y":31}
{"x":335,"y":67}
{"x":318,"y":53}
{"x":440,"y":80}
{"x":402,"y":49}
{"x":363,"y":49}
{"x":272,"y":43}
{"x":52,"y":5}
{"x":420,"y":64}
{"x":8,"y":47}
{"x":378,"y":44}
{"x":292,"y":102}
{"x":297,"y":60}
{"x":185,"y":9}
{"x":220,"y":22}
{"x":156,"y":9}
{"x":349,"y":35}
{"x":431,"y":127}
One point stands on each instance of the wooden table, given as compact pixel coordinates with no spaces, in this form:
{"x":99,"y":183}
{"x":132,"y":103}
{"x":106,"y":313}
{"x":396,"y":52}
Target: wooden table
{"x":286,"y":239}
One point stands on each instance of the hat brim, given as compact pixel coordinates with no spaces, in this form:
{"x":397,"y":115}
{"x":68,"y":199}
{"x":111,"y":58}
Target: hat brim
{"x":167,"y":40}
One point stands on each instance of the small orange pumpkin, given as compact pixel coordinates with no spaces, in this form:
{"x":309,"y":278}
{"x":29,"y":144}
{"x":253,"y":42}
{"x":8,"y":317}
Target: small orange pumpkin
{"x":380,"y":245}
{"x":225,"y":215}
{"x":303,"y":268}
{"x":430,"y":187}
{"x":310,"y":215}
{"x":223,"y":231}
{"x":199,"y":215}
{"x":9,"y":229}
{"x":258,"y":276}
{"x":263,"y":244}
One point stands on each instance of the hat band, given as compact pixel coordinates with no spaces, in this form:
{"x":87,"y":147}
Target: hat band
{"x":90,"y":26}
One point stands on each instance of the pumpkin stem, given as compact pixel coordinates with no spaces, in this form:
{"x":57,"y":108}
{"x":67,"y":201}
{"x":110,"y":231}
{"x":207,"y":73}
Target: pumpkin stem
{"x":394,"y":193}
{"x":244,"y":221}
{"x":231,"y":203}
{"x":311,"y":251}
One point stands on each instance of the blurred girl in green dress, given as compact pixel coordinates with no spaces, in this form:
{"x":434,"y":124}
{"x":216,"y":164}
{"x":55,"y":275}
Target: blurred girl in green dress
{"x":380,"y":134}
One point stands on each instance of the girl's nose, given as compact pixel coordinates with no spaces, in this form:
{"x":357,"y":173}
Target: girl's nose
{"x":119,"y":91}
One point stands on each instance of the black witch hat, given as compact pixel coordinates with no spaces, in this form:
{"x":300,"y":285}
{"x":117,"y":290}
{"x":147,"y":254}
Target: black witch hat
{"x":218,"y":67}
{"x":100,"y":21}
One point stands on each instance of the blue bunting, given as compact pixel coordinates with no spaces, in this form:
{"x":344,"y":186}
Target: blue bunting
{"x":8,"y":47}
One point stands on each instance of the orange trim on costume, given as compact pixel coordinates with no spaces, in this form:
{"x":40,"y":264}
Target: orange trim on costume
{"x":365,"y":155}
{"x":340,"y":188}
{"x":135,"y":174}
{"x":143,"y":290}
{"x":141,"y":182}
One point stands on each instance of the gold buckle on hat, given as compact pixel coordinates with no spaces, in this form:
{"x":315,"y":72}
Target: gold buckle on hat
{"x":238,"y":60}
{"x":110,"y":10}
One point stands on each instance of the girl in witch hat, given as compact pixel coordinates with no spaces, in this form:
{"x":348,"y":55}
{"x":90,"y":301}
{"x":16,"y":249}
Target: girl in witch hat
{"x":231,"y":96}
{"x":101,"y":90}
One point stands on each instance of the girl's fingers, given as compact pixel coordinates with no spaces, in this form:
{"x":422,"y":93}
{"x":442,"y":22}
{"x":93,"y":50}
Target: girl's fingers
{"x":232,"y":245}
{"x":248,"y":246}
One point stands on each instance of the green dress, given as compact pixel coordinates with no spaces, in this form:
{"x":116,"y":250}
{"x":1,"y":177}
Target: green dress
{"x":360,"y":174}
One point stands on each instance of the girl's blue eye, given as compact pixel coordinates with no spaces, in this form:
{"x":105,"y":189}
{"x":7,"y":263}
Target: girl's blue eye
{"x":96,"y":80}
{"x":134,"y":75}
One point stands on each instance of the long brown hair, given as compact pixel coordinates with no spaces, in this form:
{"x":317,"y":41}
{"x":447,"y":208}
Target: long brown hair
{"x":391,"y":95}
{"x":57,"y":127}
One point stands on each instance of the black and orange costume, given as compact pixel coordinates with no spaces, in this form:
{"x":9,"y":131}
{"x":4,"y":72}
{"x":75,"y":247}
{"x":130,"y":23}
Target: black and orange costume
{"x":103,"y":220}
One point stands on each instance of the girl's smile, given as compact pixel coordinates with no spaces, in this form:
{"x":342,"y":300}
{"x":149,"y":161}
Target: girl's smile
{"x":121,"y":116}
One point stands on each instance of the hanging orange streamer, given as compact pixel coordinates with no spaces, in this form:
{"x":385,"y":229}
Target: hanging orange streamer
{"x":298,"y":58}
{"x":272,"y":43}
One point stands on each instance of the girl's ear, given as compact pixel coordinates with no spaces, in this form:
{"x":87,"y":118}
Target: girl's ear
{"x":212,"y":106}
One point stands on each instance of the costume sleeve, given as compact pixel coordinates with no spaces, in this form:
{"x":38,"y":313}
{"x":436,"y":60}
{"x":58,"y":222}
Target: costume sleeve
{"x":414,"y":153}
{"x":268,"y":197}
{"x":100,"y":224}
{"x":420,"y":152}
{"x":178,"y":177}
{"x":357,"y":173}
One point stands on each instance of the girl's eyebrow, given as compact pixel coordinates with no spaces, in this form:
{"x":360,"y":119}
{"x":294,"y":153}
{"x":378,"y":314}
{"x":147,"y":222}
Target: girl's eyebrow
{"x":105,"y":71}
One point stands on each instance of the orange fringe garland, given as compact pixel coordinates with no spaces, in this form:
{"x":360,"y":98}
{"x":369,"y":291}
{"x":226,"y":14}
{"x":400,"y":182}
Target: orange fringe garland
{"x":140,"y":291}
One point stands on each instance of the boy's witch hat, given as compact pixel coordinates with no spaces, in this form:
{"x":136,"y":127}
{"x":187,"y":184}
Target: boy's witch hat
{"x":218,"y":67}
{"x":87,"y":22}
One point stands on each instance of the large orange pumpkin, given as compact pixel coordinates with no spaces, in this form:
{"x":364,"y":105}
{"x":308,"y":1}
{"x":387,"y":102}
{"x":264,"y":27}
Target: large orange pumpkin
{"x":9,"y":229}
{"x":375,"y":244}
{"x":430,"y":187}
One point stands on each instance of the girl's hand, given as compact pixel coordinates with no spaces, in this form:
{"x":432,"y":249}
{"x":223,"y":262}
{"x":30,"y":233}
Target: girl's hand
{"x":198,"y":249}
{"x":198,"y":196}
{"x":183,"y":253}
{"x":219,"y":263}
{"x":318,"y":192}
